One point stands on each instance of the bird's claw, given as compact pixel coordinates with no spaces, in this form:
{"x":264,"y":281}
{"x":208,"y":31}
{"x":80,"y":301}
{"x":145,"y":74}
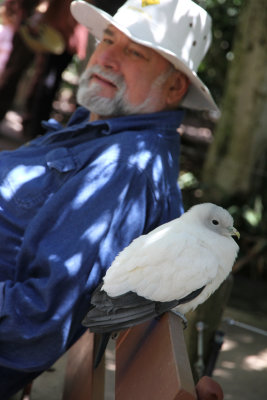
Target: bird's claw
{"x":114,"y":335}
{"x":180,"y":315}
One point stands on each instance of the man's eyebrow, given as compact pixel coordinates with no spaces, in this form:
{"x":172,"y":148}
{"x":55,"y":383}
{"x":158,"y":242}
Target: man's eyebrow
{"x":108,"y":31}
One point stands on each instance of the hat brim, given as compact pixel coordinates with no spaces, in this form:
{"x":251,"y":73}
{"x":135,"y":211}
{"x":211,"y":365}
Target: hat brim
{"x":198,"y":96}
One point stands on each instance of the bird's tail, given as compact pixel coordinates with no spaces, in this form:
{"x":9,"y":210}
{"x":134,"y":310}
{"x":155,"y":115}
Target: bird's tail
{"x":101,"y":348}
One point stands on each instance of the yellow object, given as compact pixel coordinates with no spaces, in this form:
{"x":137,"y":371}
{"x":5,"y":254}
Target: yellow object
{"x":43,"y":38}
{"x":149,"y":2}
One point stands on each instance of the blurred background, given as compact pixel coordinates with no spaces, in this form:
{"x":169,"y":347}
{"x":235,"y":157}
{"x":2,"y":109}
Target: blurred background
{"x":223,"y":156}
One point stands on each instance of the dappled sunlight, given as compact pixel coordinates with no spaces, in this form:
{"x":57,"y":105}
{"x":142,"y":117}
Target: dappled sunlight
{"x":73,"y":264}
{"x":97,"y":230}
{"x":229,"y":397}
{"x":223,"y":373}
{"x":229,"y":345}
{"x":17,"y":177}
{"x":157,"y":169}
{"x":140,"y":159}
{"x":97,"y":176}
{"x":246,"y":339}
{"x":256,"y":362}
{"x":229,"y":364}
{"x":242,"y":363}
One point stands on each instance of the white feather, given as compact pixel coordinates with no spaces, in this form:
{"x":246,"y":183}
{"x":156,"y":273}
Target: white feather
{"x":177,"y":258}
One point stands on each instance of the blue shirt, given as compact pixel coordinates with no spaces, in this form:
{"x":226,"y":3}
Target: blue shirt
{"x":69,"y":202}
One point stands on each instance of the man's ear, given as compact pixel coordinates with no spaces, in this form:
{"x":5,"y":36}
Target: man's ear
{"x":177,"y":89}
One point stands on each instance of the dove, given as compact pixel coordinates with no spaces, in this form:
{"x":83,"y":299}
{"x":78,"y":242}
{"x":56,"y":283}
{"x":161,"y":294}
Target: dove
{"x":176,"y":266}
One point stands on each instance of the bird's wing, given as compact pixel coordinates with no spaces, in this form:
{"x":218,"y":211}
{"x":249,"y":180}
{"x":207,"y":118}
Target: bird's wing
{"x":108,"y":314}
{"x":162,"y":270}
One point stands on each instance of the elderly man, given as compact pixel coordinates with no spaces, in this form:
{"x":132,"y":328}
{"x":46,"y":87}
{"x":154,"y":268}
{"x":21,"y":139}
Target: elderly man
{"x":73,"y":198}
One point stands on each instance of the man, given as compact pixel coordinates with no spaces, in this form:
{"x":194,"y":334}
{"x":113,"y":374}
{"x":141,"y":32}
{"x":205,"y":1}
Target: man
{"x":30,"y":45}
{"x":72,"y":199}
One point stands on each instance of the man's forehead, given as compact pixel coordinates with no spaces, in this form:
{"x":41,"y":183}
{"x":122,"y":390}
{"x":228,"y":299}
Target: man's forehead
{"x":112,"y":31}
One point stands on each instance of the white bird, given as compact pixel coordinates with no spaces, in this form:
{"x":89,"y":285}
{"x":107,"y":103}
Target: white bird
{"x":176,"y":266}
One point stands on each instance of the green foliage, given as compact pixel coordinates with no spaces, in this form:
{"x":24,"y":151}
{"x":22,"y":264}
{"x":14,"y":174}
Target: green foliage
{"x":213,"y":69}
{"x":187,"y":180}
{"x":249,"y":215}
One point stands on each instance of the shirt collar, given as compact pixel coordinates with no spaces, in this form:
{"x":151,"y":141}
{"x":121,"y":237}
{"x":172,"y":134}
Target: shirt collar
{"x":165,"y":120}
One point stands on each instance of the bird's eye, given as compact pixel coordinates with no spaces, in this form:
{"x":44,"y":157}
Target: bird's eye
{"x":215,"y":222}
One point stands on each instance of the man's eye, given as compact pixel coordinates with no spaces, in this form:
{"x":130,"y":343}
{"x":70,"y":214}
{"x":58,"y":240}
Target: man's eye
{"x":135,"y":53}
{"x":107,"y":41}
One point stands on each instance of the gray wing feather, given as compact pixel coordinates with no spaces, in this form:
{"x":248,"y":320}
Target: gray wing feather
{"x":111,"y":314}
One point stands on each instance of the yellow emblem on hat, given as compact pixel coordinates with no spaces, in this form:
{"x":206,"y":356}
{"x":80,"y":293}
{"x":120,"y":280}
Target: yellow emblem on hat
{"x":150,"y":2}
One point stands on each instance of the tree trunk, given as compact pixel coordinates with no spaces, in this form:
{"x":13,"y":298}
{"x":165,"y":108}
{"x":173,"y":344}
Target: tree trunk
{"x":237,"y":157}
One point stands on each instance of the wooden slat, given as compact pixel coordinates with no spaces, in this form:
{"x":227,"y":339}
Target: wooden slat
{"x":152,"y":362}
{"x":82,"y":382}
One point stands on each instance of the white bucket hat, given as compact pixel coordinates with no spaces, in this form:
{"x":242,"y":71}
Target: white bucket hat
{"x":179,"y":30}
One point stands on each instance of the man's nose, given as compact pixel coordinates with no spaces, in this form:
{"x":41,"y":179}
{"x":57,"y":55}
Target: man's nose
{"x":110,"y":58}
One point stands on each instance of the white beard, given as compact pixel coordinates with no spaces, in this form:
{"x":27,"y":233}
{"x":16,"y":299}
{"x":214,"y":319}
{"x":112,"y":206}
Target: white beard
{"x":88,"y":94}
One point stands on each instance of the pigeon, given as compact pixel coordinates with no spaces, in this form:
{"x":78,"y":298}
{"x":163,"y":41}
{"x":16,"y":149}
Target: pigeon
{"x":176,"y":266}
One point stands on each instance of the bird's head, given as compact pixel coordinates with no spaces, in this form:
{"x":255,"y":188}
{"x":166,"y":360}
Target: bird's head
{"x":215,"y":218}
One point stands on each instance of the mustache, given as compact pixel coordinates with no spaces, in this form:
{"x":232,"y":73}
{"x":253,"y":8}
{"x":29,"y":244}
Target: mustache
{"x":115,"y":79}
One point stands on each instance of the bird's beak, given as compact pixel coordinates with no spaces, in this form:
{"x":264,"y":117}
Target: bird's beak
{"x":234,"y":232}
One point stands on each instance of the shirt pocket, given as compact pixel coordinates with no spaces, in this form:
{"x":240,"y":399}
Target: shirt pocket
{"x":29,"y":183}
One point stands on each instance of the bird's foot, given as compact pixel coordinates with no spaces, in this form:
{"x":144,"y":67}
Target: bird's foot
{"x":180,"y":315}
{"x":114,"y":335}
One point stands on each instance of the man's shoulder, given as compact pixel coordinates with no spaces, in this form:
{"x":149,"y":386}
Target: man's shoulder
{"x":164,"y":122}
{"x":146,"y":131}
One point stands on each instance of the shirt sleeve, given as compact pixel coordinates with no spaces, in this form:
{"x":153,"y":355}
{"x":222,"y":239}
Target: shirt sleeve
{"x":67,"y":248}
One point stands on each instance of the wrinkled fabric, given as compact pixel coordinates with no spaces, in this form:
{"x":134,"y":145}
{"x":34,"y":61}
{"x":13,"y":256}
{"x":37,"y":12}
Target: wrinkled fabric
{"x":69,"y":202}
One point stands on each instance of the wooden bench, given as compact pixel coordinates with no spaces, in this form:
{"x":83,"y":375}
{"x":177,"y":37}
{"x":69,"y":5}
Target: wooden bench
{"x":151,"y":364}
